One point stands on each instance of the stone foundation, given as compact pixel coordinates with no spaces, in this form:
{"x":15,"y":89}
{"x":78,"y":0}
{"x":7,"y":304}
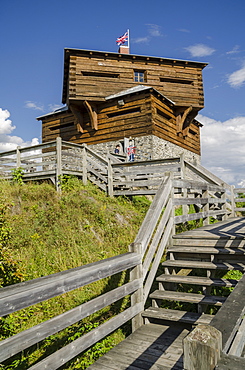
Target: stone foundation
{"x":148,"y":147}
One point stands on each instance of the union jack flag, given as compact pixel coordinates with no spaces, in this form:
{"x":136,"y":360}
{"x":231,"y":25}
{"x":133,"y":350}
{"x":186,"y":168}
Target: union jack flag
{"x":121,"y":40}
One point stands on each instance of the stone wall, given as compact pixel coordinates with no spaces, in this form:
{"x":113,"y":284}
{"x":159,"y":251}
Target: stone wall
{"x":148,"y":147}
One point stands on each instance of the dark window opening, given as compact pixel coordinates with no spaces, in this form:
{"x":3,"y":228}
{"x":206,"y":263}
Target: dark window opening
{"x":123,"y":112}
{"x":176,"y":81}
{"x":192,"y":132}
{"x":139,"y":76}
{"x":100,"y":74}
{"x":64,"y":125}
{"x":164,"y":115}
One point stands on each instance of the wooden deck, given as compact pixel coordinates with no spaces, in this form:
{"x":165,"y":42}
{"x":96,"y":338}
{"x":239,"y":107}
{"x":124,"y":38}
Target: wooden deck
{"x":233,"y":228}
{"x":152,"y":346}
{"x":158,"y":345}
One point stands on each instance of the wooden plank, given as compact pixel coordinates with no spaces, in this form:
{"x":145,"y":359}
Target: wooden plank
{"x":157,"y":236}
{"x":206,"y":250}
{"x":151,"y":219}
{"x":196,"y":280}
{"x":232,"y":314}
{"x":29,"y":337}
{"x":21,"y":295}
{"x":238,"y":343}
{"x":187,"y":297}
{"x":204,"y":265}
{"x":151,"y":346}
{"x":176,"y":315}
{"x":228,"y":362}
{"x":157,"y":259}
{"x":73,"y":349}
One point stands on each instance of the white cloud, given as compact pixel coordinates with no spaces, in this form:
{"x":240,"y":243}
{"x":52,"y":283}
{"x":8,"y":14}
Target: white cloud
{"x":32,"y":105}
{"x":223,"y":149}
{"x":10,"y":142}
{"x":5,"y":123}
{"x":154,"y":30}
{"x":235,"y":50}
{"x":237,"y":78}
{"x":184,"y":30}
{"x":141,"y":40}
{"x":53,"y":107}
{"x":200,"y":50}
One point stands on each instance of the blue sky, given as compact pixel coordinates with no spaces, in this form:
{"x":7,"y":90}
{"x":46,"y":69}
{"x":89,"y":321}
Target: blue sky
{"x":34,"y":34}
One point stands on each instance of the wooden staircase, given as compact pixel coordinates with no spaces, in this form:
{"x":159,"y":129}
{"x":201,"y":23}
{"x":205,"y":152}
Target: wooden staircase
{"x":194,"y":282}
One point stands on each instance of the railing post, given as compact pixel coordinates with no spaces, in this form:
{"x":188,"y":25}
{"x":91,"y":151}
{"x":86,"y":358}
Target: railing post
{"x":185,"y":208}
{"x":58,"y":163}
{"x":110,"y":179}
{"x":202,"y":348}
{"x":233,"y":204}
{"x":137,"y":297}
{"x":85,"y":163}
{"x":170,"y":174}
{"x":223,"y":197}
{"x":18,"y":161}
{"x":205,"y":208}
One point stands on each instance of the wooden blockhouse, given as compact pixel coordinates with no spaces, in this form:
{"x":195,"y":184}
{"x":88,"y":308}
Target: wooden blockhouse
{"x":112,"y":96}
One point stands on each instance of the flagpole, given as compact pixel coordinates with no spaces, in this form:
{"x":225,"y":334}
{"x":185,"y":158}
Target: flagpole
{"x":128,"y":41}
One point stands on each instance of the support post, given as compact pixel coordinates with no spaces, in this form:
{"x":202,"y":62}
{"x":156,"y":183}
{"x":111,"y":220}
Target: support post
{"x":205,"y":208}
{"x":18,"y":161}
{"x":170,"y":174}
{"x":185,"y":207}
{"x":110,"y":179}
{"x":202,"y":348}
{"x":233,"y":204}
{"x":58,"y":162}
{"x":137,"y":297}
{"x":223,"y":197}
{"x":85,"y":170}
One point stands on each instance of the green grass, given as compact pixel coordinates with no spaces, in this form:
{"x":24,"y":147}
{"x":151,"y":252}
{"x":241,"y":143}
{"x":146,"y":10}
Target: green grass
{"x":51,"y":232}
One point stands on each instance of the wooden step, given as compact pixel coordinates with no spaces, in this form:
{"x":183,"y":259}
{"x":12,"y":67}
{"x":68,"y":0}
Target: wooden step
{"x":206,"y":250}
{"x":196,"y":280}
{"x":204,"y":265}
{"x":187,"y":297}
{"x":176,"y":315}
{"x":238,"y":242}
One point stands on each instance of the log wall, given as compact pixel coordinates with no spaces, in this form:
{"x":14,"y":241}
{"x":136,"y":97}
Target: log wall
{"x":94,"y":75}
{"x":142,"y":114}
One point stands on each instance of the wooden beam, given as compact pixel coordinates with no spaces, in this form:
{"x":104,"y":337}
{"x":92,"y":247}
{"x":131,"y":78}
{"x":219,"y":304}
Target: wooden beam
{"x":92,"y":114}
{"x":180,"y":120}
{"x":78,"y":117}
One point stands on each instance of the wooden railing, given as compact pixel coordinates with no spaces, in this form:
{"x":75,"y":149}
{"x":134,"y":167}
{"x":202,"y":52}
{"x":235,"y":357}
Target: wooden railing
{"x":221,"y":343}
{"x":112,"y":174}
{"x":142,"y":261}
{"x":155,"y":234}
{"x":16,"y":297}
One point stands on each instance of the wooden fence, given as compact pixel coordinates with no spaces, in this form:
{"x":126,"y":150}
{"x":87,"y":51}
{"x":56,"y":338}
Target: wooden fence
{"x":145,"y":253}
{"x":111,"y":173}
{"x":220,"y":344}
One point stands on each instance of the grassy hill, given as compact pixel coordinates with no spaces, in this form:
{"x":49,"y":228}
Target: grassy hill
{"x":43,"y":232}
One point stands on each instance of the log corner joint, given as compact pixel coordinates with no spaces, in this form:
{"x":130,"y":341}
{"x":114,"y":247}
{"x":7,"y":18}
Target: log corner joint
{"x":182,"y":127}
{"x":78,"y":117}
{"x":92,"y":114}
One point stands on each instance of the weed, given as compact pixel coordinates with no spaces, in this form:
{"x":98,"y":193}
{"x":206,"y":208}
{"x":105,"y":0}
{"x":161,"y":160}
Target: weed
{"x":17,"y":175}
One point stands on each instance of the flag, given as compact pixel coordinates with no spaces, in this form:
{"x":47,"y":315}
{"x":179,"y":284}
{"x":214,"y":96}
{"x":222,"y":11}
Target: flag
{"x":121,"y":40}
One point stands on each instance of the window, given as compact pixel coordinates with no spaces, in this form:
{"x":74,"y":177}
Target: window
{"x":139,"y":76}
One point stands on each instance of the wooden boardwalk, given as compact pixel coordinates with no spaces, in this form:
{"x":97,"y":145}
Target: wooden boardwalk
{"x":158,"y":344}
{"x":152,"y":346}
{"x":233,"y":228}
